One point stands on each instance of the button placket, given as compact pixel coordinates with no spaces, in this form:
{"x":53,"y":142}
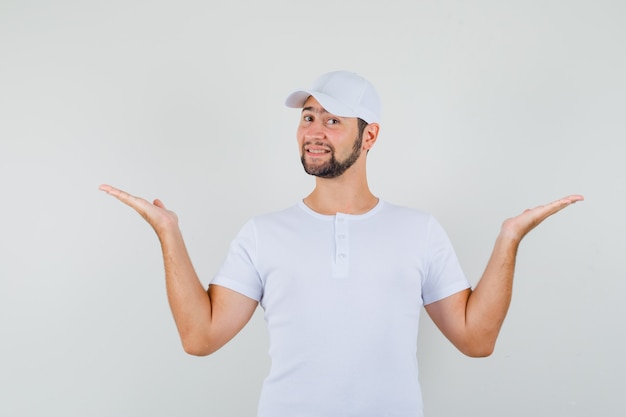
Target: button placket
{"x":342,"y":258}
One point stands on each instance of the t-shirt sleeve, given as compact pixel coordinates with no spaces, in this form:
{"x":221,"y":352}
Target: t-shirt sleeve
{"x":238,"y":272}
{"x":445,"y":275}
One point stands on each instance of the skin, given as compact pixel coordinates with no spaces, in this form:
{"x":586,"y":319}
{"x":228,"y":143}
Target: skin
{"x":207,"y":319}
{"x":318,"y":157}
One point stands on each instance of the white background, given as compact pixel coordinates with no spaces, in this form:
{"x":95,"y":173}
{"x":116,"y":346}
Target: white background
{"x":490,"y":107}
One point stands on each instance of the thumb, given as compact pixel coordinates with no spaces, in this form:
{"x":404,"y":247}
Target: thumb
{"x":159,"y":204}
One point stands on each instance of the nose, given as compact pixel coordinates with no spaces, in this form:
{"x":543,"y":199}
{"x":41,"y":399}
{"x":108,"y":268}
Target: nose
{"x":313,"y":130}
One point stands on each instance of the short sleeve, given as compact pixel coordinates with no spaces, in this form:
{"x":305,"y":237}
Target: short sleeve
{"x":444,"y":275}
{"x":238,"y":272}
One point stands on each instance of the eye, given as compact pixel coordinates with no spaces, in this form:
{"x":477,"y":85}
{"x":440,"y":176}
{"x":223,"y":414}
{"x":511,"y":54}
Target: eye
{"x":307,"y":118}
{"x":332,"y":121}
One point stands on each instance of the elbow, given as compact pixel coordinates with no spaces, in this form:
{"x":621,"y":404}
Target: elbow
{"x":197,"y":350}
{"x":479,"y":349}
{"x":479,"y":353}
{"x":198,"y":346}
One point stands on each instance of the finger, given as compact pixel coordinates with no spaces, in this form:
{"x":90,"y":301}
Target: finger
{"x":542,"y":212}
{"x":104,"y":187}
{"x":126,"y":198}
{"x":565,"y":201}
{"x":159,"y":204}
{"x":115,"y":192}
{"x":110,"y":189}
{"x":574,"y":198}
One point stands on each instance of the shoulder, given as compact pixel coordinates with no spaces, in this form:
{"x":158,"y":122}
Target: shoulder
{"x":391,"y":211}
{"x":261,"y":226}
{"x":412,"y":221}
{"x":283,"y":219}
{"x":277,"y":215}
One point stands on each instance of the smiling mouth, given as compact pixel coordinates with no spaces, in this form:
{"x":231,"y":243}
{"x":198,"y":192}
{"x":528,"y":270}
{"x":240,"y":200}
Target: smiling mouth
{"x":318,"y":151}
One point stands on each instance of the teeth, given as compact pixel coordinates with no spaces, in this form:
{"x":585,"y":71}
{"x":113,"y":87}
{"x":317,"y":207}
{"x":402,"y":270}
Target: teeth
{"x":317,"y":151}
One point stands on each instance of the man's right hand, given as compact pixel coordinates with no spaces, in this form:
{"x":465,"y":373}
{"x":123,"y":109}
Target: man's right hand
{"x":205,"y":320}
{"x":155,"y":213}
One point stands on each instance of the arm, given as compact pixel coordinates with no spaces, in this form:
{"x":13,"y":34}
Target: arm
{"x":471,"y":320}
{"x":206,"y":320}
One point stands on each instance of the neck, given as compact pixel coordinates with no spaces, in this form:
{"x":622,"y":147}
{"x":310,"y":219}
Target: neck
{"x":344,"y":194}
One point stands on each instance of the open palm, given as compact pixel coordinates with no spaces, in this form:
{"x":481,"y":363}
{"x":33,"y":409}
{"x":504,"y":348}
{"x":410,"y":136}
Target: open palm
{"x":155,"y":213}
{"x":517,"y":227}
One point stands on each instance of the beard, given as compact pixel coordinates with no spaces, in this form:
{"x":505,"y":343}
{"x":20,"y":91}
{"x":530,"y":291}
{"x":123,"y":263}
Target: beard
{"x":333,"y":168}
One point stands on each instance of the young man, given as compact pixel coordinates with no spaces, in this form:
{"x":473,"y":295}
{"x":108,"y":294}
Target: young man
{"x":342,"y":275}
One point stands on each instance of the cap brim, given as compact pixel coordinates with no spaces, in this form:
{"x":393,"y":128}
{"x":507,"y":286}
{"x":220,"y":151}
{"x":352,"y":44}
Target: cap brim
{"x":298,"y":98}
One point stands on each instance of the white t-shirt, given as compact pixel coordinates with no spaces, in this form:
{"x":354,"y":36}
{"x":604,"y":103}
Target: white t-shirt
{"x":342,"y":295}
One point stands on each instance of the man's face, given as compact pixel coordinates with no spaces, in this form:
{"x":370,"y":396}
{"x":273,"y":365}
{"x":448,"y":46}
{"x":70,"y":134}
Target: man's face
{"x":329,"y":144}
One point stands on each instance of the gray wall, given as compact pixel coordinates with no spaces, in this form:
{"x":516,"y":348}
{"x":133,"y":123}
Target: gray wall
{"x":490,"y":107}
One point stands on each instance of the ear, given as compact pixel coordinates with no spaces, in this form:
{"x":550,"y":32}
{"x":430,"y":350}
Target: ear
{"x":370,"y":134}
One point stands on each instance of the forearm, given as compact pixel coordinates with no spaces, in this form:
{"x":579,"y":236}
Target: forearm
{"x":489,"y":302}
{"x":205,"y":319}
{"x":472,"y":319}
{"x":188,"y":299}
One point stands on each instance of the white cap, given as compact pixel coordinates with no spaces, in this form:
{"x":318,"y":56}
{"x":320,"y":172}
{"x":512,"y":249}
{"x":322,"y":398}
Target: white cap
{"x":341,"y":93}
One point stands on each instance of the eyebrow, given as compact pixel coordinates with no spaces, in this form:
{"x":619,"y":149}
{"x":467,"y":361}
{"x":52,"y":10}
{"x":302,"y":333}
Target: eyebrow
{"x":314,"y":109}
{"x":320,"y":110}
